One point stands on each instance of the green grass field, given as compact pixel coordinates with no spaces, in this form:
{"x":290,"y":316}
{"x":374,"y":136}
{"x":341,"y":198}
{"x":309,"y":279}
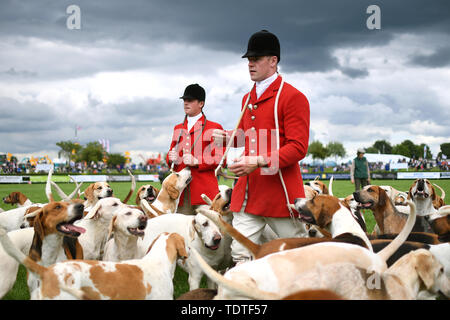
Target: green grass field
{"x":36,"y":193}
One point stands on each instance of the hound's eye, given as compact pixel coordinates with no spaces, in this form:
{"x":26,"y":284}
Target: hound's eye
{"x":58,"y":207}
{"x":205,"y":224}
{"x":99,"y":188}
{"x":115,"y":204}
{"x":177,"y":174}
{"x":128,"y":214}
{"x":369,"y":190}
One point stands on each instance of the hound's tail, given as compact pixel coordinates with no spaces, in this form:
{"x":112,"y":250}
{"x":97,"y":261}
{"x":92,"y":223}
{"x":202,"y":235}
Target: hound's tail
{"x":442,"y":191}
{"x":48,"y":187}
{"x":390,"y":249}
{"x":241,"y":289}
{"x":330,"y":186}
{"x":227,"y":228}
{"x":11,"y":249}
{"x":133,"y":187}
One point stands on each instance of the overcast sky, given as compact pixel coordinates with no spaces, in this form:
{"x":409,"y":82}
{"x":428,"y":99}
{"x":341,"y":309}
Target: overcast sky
{"x":120,"y":76}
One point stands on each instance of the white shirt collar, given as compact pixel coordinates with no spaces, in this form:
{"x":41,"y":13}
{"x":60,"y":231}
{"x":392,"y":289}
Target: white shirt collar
{"x":192,"y":120}
{"x":261,"y":86}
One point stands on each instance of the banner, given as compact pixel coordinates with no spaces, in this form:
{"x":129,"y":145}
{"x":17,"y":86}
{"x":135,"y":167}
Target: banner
{"x":90,"y":178}
{"x":148,"y":177}
{"x":418,"y":175}
{"x":11,"y":179}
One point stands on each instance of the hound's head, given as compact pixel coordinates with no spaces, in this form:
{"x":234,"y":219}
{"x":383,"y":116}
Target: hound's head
{"x":318,"y":210}
{"x":208,"y":231}
{"x":429,"y":274}
{"x":401,"y":199}
{"x":129,"y":221}
{"x":15,"y":197}
{"x":221,"y":202}
{"x":147,"y":192}
{"x":422,"y":189}
{"x":104,"y":209}
{"x":175,"y":182}
{"x":318,"y":186}
{"x":97,"y":191}
{"x":371,"y":197}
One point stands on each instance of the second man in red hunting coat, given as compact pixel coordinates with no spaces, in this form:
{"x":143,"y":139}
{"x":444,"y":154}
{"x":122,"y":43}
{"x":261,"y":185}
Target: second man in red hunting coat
{"x":192,"y":147}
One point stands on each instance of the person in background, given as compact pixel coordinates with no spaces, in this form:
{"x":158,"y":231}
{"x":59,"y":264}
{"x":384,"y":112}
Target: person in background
{"x":359,"y":170}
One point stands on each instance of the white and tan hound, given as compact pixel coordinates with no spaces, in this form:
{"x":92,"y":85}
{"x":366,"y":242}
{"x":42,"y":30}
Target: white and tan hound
{"x":127,"y":225}
{"x":17,"y":198}
{"x":148,"y":278}
{"x":169,"y":195}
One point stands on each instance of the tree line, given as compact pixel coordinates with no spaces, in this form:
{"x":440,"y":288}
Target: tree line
{"x":406,"y":148}
{"x":91,"y":152}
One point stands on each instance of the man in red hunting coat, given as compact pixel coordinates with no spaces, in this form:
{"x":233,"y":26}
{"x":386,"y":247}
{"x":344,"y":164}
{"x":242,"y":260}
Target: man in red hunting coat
{"x":192,"y":147}
{"x":260,"y":195}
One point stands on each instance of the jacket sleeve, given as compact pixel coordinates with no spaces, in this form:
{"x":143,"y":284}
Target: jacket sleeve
{"x":295,"y":111}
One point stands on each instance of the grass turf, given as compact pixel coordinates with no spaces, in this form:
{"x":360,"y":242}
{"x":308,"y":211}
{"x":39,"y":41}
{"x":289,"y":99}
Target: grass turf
{"x":36,"y":193}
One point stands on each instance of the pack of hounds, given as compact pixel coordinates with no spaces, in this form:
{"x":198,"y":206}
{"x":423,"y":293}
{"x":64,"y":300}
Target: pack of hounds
{"x":92,"y":245}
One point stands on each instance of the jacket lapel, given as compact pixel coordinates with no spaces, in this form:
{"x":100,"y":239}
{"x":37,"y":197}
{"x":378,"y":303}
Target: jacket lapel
{"x":270,"y":91}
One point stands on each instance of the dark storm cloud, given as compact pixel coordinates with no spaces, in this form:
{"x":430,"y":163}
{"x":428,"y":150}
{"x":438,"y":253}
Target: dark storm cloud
{"x":308,"y":31}
{"x":439,"y":58}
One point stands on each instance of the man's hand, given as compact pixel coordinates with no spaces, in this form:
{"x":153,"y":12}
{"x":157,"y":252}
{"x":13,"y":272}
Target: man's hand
{"x":173,"y":156}
{"x":220,"y":137}
{"x":245,"y":165}
{"x":189,"y":160}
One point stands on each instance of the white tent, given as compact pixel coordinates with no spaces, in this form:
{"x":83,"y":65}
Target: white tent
{"x":371,"y":157}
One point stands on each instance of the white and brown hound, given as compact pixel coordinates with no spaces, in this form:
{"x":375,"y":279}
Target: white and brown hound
{"x":148,"y":278}
{"x":169,"y":195}
{"x":127,"y":225}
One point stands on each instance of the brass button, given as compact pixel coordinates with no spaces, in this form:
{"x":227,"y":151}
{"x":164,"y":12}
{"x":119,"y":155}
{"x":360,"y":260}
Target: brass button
{"x":253,"y":117}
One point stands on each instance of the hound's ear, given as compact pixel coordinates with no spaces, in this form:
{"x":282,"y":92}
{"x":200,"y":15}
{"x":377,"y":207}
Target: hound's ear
{"x":424,"y":268}
{"x":382,"y":197}
{"x":433,"y":192}
{"x":173,"y":192}
{"x":410,"y":195}
{"x":111,"y":227}
{"x":180,"y":245}
{"x":325,"y":189}
{"x":94,"y":213}
{"x":89,"y":193}
{"x":324,"y":219}
{"x":35,"y":252}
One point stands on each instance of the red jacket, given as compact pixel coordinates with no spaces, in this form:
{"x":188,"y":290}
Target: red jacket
{"x":266,"y":196}
{"x":205,"y":151}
